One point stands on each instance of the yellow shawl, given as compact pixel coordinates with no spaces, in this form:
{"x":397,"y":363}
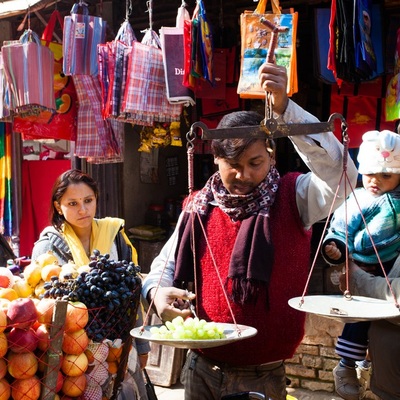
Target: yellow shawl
{"x":102,"y":238}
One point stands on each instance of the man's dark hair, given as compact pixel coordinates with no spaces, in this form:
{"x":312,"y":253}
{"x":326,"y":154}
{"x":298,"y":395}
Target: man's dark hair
{"x":232,"y":149}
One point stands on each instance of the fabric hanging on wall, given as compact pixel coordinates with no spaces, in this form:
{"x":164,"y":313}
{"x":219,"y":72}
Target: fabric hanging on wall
{"x":322,"y":17}
{"x":38,"y":178}
{"x":363,"y":108}
{"x":355,"y":27}
{"x":5,"y":180}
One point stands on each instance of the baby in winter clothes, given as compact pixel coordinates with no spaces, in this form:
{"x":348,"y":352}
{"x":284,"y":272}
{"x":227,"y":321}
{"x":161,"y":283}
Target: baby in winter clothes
{"x":371,"y":221}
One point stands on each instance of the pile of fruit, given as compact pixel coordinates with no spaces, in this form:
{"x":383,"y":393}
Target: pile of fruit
{"x":84,"y":369}
{"x":102,"y":300}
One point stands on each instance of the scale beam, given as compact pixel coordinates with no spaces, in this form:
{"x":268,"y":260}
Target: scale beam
{"x":268,"y":129}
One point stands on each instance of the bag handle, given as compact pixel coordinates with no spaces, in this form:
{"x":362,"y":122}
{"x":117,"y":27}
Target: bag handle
{"x":82,"y":5}
{"x":151,"y":38}
{"x":125,"y":34}
{"x":262,"y":5}
{"x":47,"y":34}
{"x":29,"y":36}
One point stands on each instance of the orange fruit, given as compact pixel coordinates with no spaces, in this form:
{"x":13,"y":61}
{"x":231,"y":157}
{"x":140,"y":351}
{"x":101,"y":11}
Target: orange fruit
{"x":112,"y":367}
{"x":114,"y":354}
{"x":8,"y":293}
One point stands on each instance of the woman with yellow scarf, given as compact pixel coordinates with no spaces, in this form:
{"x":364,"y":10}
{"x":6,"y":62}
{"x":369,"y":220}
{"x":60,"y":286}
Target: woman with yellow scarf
{"x":75,"y":232}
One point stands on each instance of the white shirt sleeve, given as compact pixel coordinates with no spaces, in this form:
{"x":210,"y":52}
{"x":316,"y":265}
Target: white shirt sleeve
{"x":323,"y":155}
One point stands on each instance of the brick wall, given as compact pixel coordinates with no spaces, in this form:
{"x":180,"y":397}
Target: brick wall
{"x":312,"y":365}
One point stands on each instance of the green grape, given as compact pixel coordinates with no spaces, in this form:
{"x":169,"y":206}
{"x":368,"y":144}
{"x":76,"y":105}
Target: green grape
{"x":190,"y":328}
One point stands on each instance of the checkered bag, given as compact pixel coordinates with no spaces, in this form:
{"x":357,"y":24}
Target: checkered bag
{"x":97,"y":139}
{"x":112,"y":60}
{"x":145,"y":98}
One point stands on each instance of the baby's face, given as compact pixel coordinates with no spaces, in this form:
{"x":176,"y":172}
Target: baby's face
{"x":378,"y":184}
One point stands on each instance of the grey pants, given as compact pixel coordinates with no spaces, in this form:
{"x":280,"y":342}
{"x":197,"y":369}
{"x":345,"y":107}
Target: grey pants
{"x":204,"y":380}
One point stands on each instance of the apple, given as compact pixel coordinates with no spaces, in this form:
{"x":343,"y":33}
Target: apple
{"x":77,"y":316}
{"x":45,"y":308}
{"x":22,"y":365}
{"x":60,"y":381}
{"x":22,"y":340}
{"x":43,"y":335}
{"x":22,"y":313}
{"x":3,"y":368}
{"x":6,"y":278}
{"x":24,"y":389}
{"x":3,"y":320}
{"x":74,"y":386}
{"x":75,"y":342}
{"x":74,"y":364}
{"x":3,"y":344}
{"x":5,"y":390}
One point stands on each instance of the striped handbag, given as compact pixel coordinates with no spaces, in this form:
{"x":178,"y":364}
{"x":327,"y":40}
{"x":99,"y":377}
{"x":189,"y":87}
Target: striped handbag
{"x":28,"y":68}
{"x":82,"y":33}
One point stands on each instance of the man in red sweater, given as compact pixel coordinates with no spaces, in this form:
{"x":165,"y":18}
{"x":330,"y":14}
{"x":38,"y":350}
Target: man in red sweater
{"x":254,"y":253}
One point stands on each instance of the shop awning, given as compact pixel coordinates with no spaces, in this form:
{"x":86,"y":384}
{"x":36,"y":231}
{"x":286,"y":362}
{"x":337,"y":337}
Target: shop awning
{"x":9,"y":8}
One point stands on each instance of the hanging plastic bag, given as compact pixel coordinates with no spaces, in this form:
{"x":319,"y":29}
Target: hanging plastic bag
{"x":62,"y":124}
{"x":82,"y":33}
{"x":145,"y":98}
{"x":98,"y":140}
{"x":28,"y":68}
{"x":113,"y":59}
{"x":172,"y":45}
{"x":255,"y":41}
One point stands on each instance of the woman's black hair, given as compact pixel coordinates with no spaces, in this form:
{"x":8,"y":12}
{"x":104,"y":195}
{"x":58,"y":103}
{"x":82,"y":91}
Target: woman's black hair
{"x":72,"y":176}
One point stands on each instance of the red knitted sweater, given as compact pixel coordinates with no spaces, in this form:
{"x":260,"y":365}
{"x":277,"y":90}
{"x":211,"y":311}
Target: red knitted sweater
{"x":280,"y":328}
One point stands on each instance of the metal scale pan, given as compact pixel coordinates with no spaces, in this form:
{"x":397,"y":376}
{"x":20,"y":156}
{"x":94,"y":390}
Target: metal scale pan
{"x":338,"y":307}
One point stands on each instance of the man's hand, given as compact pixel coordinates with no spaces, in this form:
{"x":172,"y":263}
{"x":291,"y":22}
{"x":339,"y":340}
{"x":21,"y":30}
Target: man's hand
{"x":171,"y":302}
{"x":273,"y":79}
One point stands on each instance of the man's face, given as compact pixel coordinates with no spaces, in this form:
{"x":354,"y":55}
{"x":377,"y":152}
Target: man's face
{"x":242,"y":175}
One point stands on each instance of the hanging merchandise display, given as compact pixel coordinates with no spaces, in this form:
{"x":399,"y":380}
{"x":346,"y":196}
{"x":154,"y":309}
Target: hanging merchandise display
{"x":82,"y":33}
{"x":198,"y":49}
{"x":113,"y":62}
{"x":98,"y":140}
{"x":392,"y":108}
{"x":258,"y":31}
{"x":62,"y":124}
{"x":173,"y":58}
{"x":355,"y":45}
{"x":145,"y":99}
{"x":28,"y":68}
